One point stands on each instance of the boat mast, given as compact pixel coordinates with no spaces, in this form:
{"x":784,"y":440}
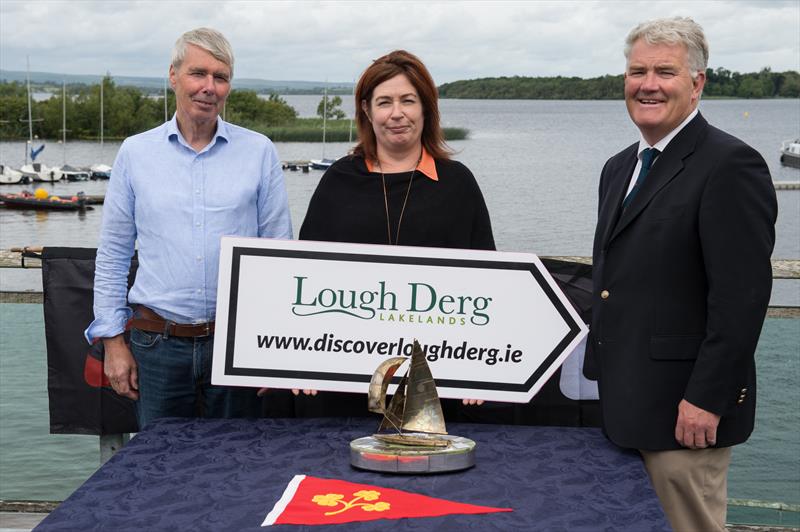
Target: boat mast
{"x":350,"y":135}
{"x":64,"y":121}
{"x":324,"y":116}
{"x":102,"y":82}
{"x":30,"y":120}
{"x":166,"y":117}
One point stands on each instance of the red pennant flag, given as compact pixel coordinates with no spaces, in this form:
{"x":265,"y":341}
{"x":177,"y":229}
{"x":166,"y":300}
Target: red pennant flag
{"x":323,"y":501}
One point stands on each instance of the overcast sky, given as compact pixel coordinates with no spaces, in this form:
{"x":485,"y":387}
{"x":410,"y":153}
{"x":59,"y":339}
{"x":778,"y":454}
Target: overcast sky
{"x":314,"y":41}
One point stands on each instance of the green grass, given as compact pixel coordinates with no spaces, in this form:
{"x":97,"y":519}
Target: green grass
{"x":310,"y":130}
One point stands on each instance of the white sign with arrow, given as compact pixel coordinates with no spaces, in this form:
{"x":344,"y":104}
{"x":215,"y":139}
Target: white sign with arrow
{"x":320,"y":315}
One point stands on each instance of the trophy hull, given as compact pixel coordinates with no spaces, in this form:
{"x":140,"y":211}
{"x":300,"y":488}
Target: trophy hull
{"x":375,"y":455}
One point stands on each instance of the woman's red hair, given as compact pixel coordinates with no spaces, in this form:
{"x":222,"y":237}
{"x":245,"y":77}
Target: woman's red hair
{"x":383,"y":69}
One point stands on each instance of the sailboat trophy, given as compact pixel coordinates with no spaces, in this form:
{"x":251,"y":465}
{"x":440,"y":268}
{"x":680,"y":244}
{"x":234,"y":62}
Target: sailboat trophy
{"x":412,"y":436}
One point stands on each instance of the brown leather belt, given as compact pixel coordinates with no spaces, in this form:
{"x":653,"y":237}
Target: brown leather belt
{"x":147,"y":320}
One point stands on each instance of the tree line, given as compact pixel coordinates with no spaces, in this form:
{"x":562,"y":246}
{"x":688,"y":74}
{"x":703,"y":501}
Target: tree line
{"x":719,"y":83}
{"x":126,"y":111}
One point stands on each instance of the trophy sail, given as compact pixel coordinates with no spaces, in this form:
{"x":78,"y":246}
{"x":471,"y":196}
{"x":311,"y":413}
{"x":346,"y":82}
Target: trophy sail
{"x":415,"y":406}
{"x":393,"y":416}
{"x":376,"y":398}
{"x":422,"y":410}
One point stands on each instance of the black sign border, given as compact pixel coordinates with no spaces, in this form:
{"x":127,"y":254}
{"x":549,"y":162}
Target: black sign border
{"x":239,"y":251}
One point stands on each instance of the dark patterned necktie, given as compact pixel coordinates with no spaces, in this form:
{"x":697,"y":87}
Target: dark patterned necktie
{"x":648,"y":156}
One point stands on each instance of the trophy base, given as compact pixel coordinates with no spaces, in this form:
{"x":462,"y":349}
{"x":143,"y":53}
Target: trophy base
{"x":375,"y":455}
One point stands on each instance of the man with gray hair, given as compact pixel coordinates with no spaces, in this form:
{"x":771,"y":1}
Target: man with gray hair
{"x":174,"y":191}
{"x":682,"y":279}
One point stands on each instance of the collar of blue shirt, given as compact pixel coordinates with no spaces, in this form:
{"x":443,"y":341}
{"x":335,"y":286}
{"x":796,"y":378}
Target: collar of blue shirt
{"x":173,"y":133}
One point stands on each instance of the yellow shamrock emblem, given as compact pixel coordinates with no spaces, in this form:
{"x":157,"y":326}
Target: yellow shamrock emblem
{"x":332,"y":499}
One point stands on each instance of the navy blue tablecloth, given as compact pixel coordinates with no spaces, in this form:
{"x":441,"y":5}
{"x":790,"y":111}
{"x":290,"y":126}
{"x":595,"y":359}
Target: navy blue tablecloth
{"x":225,"y":475}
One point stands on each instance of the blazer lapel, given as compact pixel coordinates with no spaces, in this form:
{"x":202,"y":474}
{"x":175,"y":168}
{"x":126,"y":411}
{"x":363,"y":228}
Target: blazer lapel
{"x":616,"y":193}
{"x":668,"y":165}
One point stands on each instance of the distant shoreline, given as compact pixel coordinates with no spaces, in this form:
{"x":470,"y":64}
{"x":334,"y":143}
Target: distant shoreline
{"x":720,"y":82}
{"x":115,"y":110}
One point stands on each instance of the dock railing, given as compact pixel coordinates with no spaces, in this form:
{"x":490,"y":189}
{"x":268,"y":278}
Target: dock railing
{"x":12,"y":258}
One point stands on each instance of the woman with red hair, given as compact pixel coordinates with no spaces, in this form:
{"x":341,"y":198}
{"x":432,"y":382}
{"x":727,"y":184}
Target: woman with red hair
{"x":397,"y":187}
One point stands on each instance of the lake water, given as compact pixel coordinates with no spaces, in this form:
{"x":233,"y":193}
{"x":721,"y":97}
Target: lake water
{"x":538,"y":164}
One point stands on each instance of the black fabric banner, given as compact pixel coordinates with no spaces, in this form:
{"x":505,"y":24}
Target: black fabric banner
{"x":550,"y":406}
{"x":82,"y":402}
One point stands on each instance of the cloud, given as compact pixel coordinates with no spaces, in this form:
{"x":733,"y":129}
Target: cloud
{"x":337,"y":40}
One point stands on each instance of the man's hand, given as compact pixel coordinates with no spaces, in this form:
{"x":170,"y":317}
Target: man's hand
{"x":120,"y":367}
{"x":696,"y":428}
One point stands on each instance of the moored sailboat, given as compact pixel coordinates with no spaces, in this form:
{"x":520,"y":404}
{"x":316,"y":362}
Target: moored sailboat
{"x":325,"y":162}
{"x":100,"y":171}
{"x":35,"y":171}
{"x":70,"y":173}
{"x":40,"y":172}
{"x":9,"y":176}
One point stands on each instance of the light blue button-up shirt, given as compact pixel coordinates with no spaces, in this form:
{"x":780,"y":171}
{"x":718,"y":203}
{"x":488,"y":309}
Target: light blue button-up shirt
{"x":175,"y":204}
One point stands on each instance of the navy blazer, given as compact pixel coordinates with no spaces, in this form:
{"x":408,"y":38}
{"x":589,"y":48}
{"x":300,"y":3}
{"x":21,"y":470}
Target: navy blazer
{"x":682,"y":279}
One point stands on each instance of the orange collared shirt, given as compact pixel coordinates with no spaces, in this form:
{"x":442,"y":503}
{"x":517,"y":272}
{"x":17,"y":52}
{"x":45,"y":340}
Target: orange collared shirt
{"x":427,"y":166}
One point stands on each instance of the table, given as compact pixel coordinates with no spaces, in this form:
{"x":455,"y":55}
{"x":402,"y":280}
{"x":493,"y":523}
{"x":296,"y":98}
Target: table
{"x":225,"y":475}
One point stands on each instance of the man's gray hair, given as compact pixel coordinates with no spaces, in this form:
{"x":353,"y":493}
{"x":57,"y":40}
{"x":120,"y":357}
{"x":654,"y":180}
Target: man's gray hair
{"x":673,"y":31}
{"x":209,"y":40}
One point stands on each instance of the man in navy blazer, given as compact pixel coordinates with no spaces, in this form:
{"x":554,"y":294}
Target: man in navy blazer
{"x":682,"y":279}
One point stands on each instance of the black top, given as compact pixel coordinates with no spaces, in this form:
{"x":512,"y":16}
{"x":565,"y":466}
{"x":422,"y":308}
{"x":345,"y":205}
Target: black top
{"x":348,"y":206}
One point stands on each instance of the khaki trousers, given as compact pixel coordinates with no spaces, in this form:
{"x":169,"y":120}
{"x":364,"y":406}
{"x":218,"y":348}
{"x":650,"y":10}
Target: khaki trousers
{"x":692,"y":485}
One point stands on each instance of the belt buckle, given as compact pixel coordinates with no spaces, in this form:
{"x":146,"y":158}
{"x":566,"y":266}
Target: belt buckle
{"x":207,"y":328}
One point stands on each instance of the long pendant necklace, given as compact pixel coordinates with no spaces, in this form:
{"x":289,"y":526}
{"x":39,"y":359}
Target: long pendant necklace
{"x":403,"y":209}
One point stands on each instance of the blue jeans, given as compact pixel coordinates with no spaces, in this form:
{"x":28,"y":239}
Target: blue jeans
{"x":175,"y":380}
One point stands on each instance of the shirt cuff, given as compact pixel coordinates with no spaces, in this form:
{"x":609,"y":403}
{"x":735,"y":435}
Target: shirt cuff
{"x":108,"y":327}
